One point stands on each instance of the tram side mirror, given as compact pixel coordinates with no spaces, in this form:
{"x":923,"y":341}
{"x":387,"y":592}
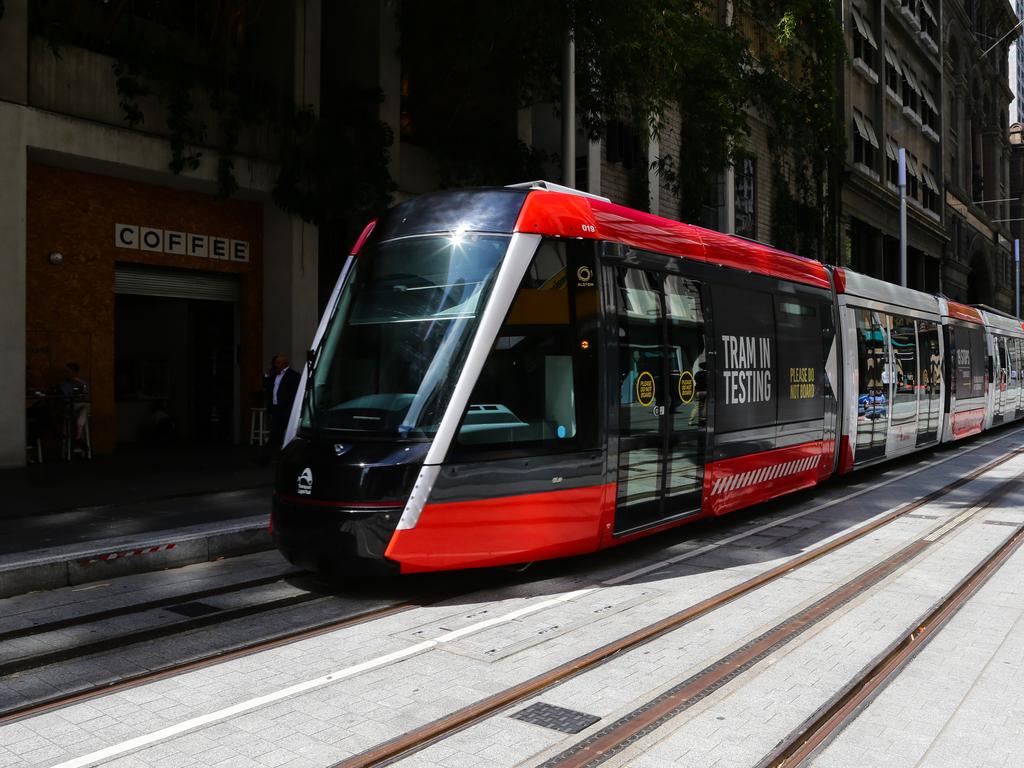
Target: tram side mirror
{"x":310,"y":358}
{"x":991,"y":372}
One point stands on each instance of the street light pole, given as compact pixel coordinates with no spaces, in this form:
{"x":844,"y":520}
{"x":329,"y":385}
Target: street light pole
{"x":569,"y":109}
{"x":903,"y":216}
{"x":1016,"y":282}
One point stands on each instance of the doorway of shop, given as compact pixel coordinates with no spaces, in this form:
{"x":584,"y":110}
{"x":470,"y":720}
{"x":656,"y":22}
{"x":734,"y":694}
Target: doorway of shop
{"x":176,"y":372}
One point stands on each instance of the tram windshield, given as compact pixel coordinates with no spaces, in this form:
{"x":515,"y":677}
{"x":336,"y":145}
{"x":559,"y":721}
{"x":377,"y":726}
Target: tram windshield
{"x":400,"y":335}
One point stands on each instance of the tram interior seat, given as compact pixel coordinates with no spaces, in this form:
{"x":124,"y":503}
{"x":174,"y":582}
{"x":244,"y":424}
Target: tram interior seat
{"x":493,"y":423}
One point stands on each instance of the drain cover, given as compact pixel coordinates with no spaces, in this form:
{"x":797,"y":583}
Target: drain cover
{"x":194,"y":609}
{"x":556,"y":718}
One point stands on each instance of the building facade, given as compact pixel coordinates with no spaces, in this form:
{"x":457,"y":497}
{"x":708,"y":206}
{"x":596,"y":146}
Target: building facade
{"x":977,"y":97}
{"x":169,"y":296}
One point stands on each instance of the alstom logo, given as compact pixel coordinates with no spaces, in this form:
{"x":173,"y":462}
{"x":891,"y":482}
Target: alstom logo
{"x":764,"y":474}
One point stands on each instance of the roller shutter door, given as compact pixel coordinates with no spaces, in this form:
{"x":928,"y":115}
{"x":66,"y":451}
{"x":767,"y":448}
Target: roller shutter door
{"x":176,"y":284}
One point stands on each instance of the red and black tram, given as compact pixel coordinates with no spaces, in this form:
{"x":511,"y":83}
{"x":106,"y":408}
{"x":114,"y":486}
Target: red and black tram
{"x":508,"y":375}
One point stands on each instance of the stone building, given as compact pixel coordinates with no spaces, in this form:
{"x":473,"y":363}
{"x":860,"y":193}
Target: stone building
{"x":892,"y":89}
{"x":978,"y":259}
{"x":168,"y":296}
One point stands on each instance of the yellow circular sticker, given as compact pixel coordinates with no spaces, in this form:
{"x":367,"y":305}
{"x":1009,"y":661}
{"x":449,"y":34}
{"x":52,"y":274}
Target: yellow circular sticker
{"x":686,"y":387}
{"x":645,"y":389}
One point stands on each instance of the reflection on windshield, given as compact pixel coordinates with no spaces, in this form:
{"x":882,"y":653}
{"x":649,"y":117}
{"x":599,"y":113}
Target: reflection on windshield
{"x":397,"y":342}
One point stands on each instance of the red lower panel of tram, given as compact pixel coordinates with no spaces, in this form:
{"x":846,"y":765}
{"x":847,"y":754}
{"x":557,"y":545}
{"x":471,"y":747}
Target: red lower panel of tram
{"x":502,"y":531}
{"x":734,"y":483}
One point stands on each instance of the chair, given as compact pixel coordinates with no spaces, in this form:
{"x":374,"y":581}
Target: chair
{"x":73,"y":411}
{"x":258,"y":432}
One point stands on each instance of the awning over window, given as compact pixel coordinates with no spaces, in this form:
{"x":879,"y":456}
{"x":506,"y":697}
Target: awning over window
{"x":912,"y":166}
{"x":929,"y":180}
{"x":891,"y":150}
{"x":909,"y":77}
{"x":863,"y":27}
{"x":892,"y":61}
{"x":927,"y":96}
{"x":865,"y":129}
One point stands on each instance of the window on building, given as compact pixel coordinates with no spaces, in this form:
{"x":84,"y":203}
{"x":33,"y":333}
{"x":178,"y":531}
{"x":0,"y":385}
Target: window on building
{"x":911,"y":98}
{"x":892,"y":161}
{"x":913,"y":178}
{"x":864,"y":45}
{"x":929,"y":190}
{"x":910,"y":9}
{"x":746,"y":196}
{"x":893,"y":74}
{"x":929,"y":112}
{"x":623,"y":145}
{"x":712,"y":213}
{"x":926,"y":18}
{"x":865,"y":143}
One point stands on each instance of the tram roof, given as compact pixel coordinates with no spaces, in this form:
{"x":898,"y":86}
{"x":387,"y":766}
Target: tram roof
{"x":960,"y":311}
{"x":996,"y":319}
{"x":855,"y":284}
{"x":548,"y":209}
{"x":564,"y":214}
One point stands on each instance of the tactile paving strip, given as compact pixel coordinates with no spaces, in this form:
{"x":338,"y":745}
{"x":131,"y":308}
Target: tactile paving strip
{"x":556,"y":718}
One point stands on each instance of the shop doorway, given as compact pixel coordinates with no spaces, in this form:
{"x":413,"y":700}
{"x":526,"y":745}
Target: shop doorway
{"x":175,"y":358}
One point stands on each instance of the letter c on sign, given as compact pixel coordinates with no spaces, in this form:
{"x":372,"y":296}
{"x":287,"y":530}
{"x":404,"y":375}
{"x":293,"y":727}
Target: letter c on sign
{"x":126,"y":236}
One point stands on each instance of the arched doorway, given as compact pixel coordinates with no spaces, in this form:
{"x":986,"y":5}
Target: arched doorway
{"x":979,"y":281}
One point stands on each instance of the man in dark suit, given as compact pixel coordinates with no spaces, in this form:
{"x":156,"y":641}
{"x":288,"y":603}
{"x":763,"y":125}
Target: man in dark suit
{"x":281,"y":384}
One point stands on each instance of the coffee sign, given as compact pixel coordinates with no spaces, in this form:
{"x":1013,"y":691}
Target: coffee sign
{"x":183,"y":243}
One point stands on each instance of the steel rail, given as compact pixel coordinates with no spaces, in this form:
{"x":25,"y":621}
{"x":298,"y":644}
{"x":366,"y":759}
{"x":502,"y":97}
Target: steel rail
{"x":436,"y":730}
{"x":827,"y":722}
{"x":57,"y":702}
{"x":623,"y":732}
{"x":149,"y":605}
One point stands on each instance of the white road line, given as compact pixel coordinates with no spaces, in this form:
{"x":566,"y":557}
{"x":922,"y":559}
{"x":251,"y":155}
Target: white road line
{"x":102,"y":755}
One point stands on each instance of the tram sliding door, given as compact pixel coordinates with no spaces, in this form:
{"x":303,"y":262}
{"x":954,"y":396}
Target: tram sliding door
{"x":660,"y":395}
{"x":873,"y":379}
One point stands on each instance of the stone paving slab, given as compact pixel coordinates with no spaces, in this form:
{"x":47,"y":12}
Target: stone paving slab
{"x":781,"y":693}
{"x":960,"y":701}
{"x":342,"y":718}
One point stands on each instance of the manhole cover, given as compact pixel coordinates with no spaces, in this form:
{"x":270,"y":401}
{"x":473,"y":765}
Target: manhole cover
{"x":556,"y":718}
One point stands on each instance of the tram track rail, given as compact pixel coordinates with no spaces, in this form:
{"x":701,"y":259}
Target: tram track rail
{"x":131,"y":681}
{"x":148,"y":605}
{"x":465,"y":718}
{"x":436,"y":731}
{"x":806,"y":741}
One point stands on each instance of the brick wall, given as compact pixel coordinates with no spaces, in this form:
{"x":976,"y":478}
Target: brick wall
{"x":70,"y":308}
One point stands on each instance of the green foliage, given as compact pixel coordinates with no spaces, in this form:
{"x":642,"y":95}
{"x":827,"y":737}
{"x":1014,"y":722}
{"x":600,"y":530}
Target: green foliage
{"x":795,"y":90}
{"x":473,"y":64}
{"x":335,"y":166}
{"x":212,"y":59}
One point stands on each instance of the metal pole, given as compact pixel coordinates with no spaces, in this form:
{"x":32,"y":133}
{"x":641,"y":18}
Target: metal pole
{"x":569,"y":109}
{"x":903,"y":216}
{"x":1016,"y":282}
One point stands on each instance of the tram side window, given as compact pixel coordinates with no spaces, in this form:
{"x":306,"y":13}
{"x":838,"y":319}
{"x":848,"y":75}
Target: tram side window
{"x":801,"y":367}
{"x":979,"y":362}
{"x":905,"y":373}
{"x":930,"y":358}
{"x":538,"y":387}
{"x":745,"y":387}
{"x":971,"y":362}
{"x":872,"y":368}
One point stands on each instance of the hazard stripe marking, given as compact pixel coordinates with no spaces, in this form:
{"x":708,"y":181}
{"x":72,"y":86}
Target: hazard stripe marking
{"x":764,"y":474}
{"x":109,"y":557}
